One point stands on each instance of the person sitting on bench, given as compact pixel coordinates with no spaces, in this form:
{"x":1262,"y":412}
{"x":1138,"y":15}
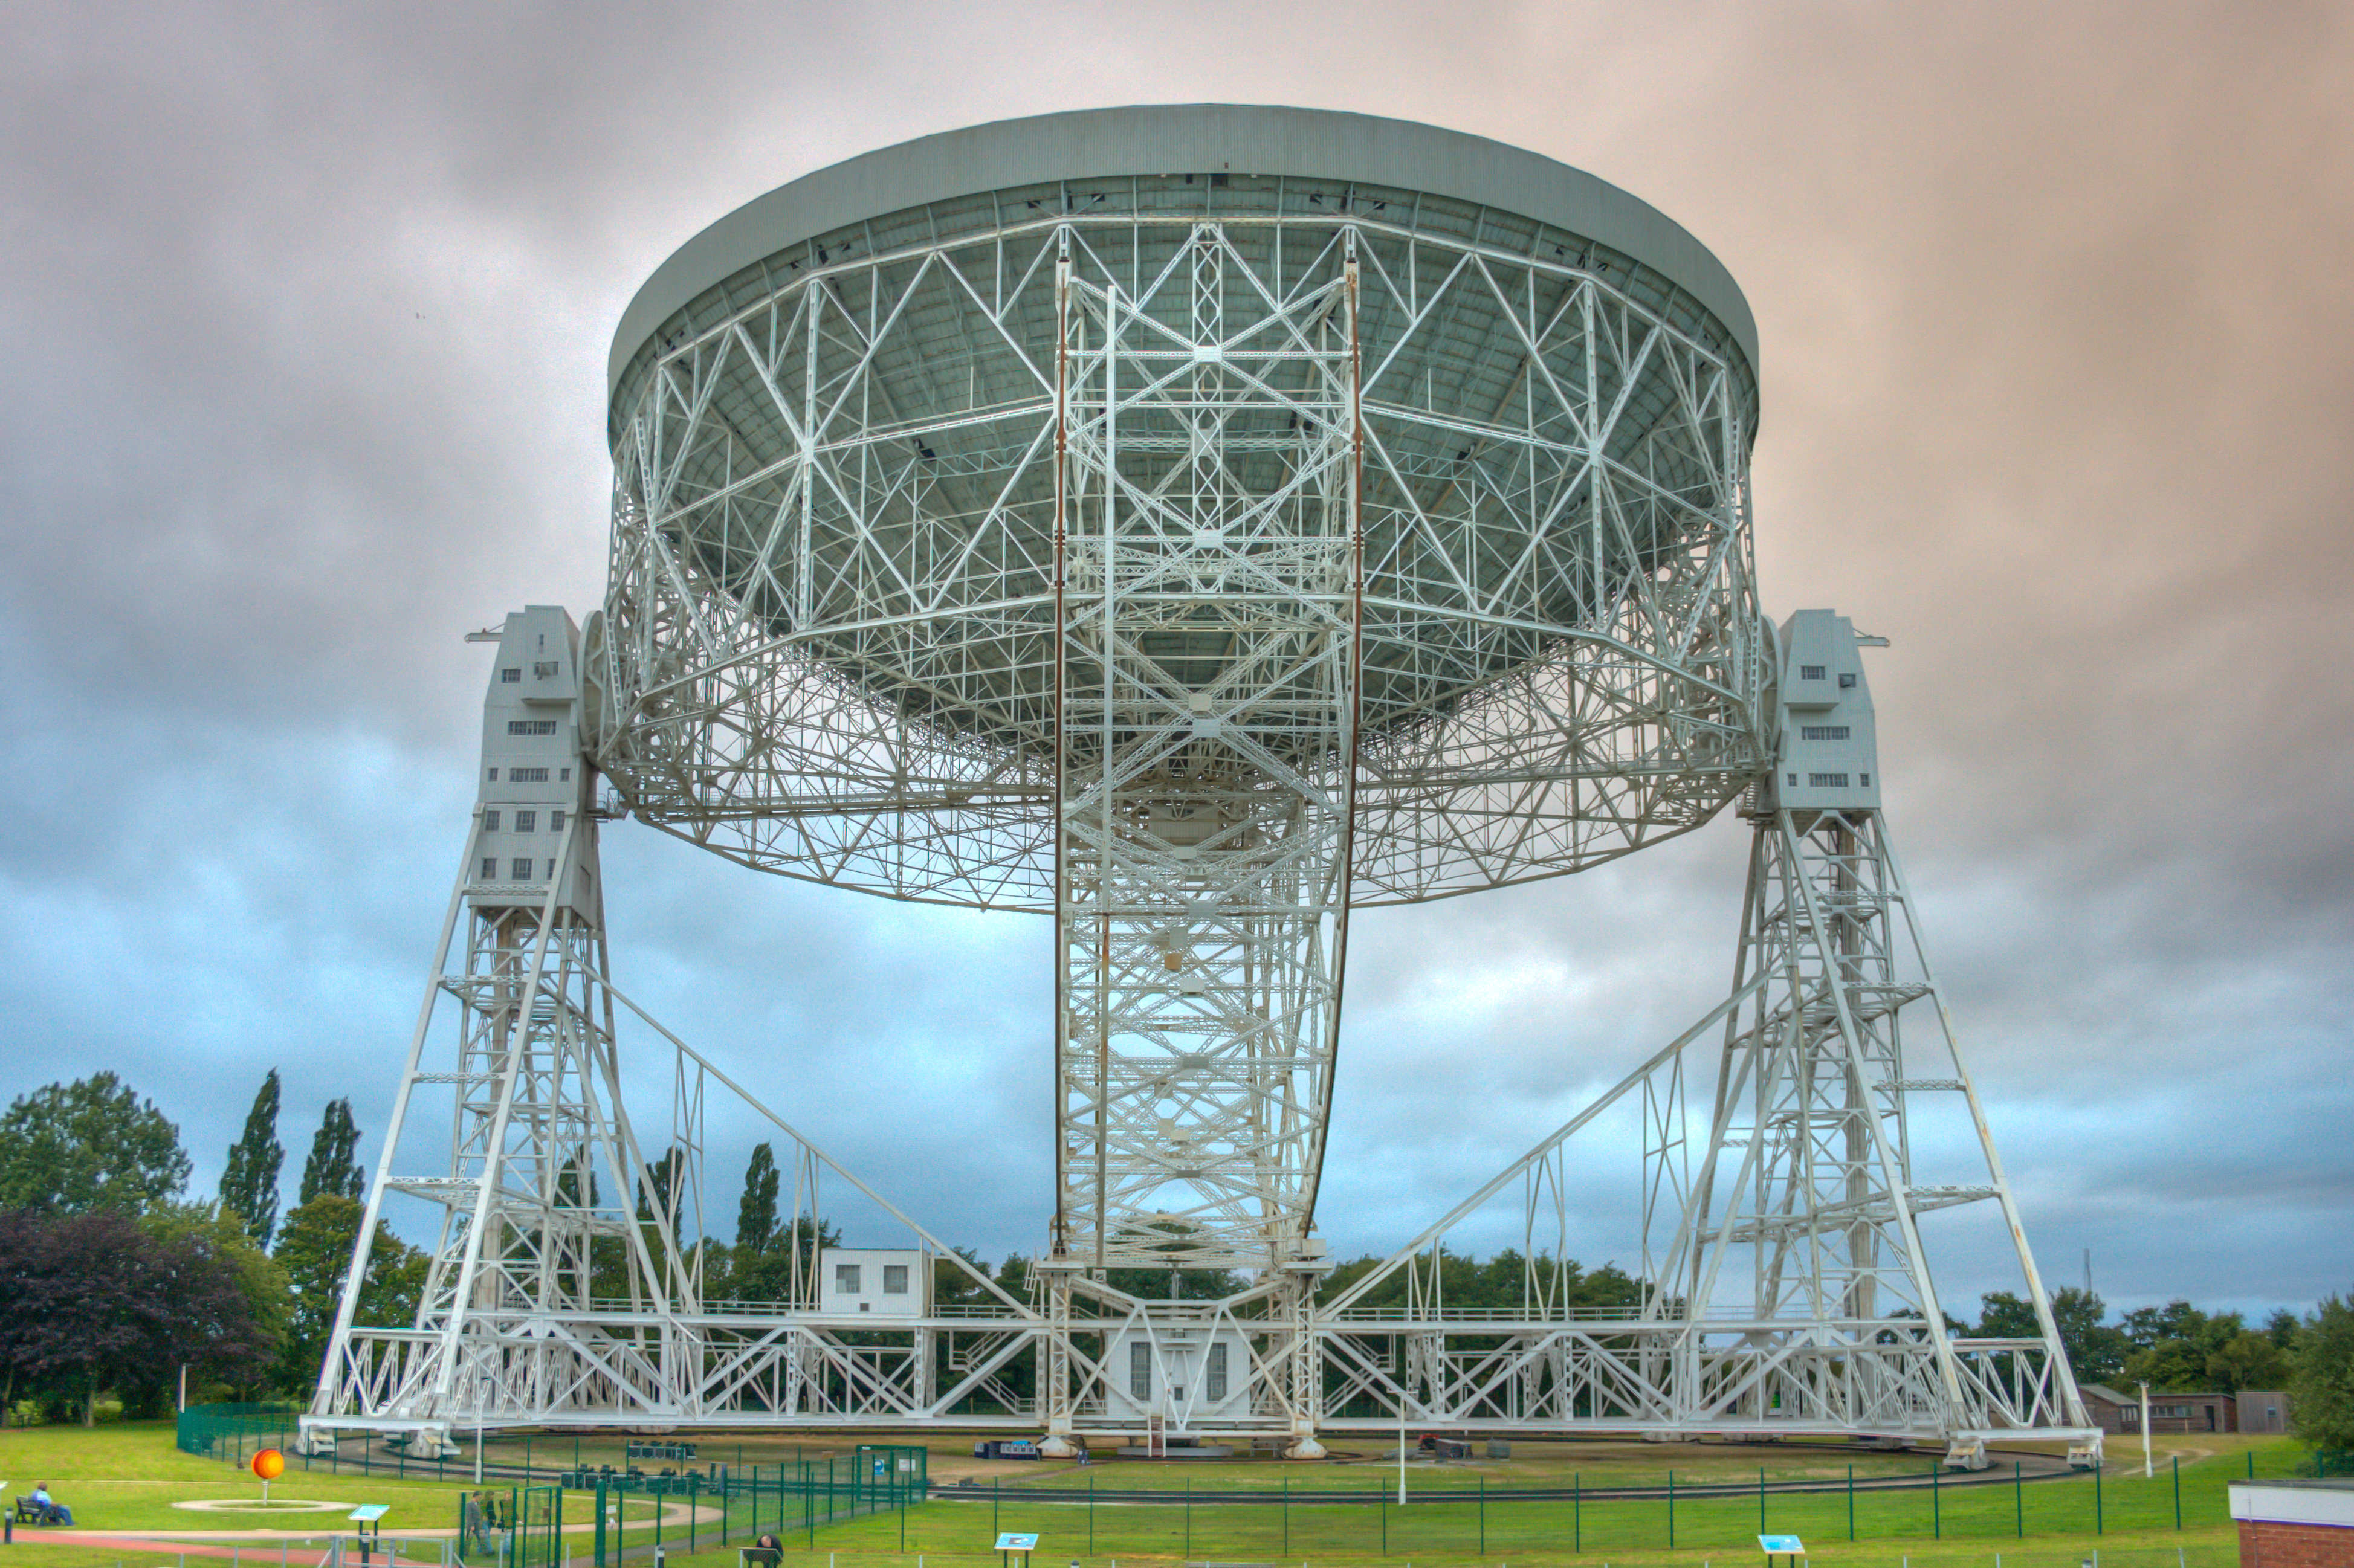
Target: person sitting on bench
{"x":52,"y":1510}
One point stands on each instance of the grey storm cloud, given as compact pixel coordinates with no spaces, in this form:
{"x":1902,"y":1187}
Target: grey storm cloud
{"x":302,"y":349}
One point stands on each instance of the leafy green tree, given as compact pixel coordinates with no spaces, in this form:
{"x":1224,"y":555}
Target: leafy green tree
{"x":315,"y":1251}
{"x":2172,"y":1345}
{"x":2281,"y":1328}
{"x":86,"y":1147}
{"x":2247,"y":1361}
{"x":333,"y":1166}
{"x":2321,"y":1386}
{"x":2096,"y":1350}
{"x":248,"y":1187}
{"x":767,"y":1276}
{"x":756,"y":1214}
{"x":216,"y":1229}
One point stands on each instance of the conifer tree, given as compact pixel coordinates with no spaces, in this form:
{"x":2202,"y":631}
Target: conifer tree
{"x":248,"y":1187}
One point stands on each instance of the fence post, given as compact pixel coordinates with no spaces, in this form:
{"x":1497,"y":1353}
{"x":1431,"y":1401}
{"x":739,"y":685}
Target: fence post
{"x":2018,"y":1499}
{"x":1761,"y":1499}
{"x":1671,"y":1511}
{"x":2097,"y":1525}
{"x":1189,"y":1516}
{"x":1091,"y":1515}
{"x":1851,"y":1503}
{"x":1483,"y":1516}
{"x":2178,"y":1491}
{"x":1576,"y":1511}
{"x":1286,"y":1517}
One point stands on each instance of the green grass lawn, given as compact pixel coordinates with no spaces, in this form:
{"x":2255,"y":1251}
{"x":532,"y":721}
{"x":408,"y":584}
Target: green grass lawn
{"x":125,"y":1478}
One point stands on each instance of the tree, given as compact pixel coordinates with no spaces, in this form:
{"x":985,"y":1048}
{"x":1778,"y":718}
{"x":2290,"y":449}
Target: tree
{"x":662,"y":1190}
{"x":2096,"y":1350}
{"x":756,"y":1214}
{"x":767,"y":1276}
{"x":216,"y":1229}
{"x":88,"y":1146}
{"x":2247,"y":1360}
{"x":91,"y":1302}
{"x":315,"y":1251}
{"x":331,"y":1167}
{"x":248,"y":1187}
{"x":2173,"y":1343}
{"x":2321,"y":1388}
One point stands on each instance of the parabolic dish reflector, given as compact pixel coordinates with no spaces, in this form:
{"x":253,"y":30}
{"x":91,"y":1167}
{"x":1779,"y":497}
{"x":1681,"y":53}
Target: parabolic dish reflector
{"x":875,"y":431}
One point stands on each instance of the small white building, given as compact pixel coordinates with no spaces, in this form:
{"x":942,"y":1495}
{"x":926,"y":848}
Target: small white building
{"x":1182,"y":1375}
{"x":884,"y":1282}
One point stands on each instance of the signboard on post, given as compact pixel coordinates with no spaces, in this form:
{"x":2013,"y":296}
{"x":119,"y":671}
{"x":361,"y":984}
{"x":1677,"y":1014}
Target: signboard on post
{"x":1788,"y":1546}
{"x":1009,"y":1544}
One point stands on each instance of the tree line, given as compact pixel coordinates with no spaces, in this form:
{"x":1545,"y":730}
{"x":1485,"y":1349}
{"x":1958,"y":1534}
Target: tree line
{"x":112,"y":1279}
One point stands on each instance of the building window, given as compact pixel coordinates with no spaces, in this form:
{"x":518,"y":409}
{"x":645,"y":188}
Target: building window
{"x":525,"y":774}
{"x":894,"y":1279}
{"x":1810,"y":672}
{"x":555,"y":818}
{"x":489,"y":868}
{"x":1214,"y":1378}
{"x":521,"y":870}
{"x":490,"y":822}
{"x":526,"y":822}
{"x":551,"y":871}
{"x":544,"y":668}
{"x":1825,"y":780}
{"x":1139,"y":1368}
{"x":495,"y":775}
{"x":1822,"y":732}
{"x":564,"y":774}
{"x":509,"y":677}
{"x":1846,"y":683}
{"x":845,"y":1278}
{"x":531,"y":726}
{"x":1867,"y":780}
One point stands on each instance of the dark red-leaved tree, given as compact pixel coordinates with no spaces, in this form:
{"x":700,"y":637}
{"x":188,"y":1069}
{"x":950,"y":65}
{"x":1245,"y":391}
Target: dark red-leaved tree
{"x":95,"y":1302}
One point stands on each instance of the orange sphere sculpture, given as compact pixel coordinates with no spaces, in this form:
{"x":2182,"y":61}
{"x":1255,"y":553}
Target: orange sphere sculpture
{"x":270,"y":1464}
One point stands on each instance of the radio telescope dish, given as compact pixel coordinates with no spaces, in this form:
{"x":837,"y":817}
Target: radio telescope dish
{"x":1195,"y":523}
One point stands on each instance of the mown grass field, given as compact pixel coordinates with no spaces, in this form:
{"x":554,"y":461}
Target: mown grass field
{"x":126,"y":1478}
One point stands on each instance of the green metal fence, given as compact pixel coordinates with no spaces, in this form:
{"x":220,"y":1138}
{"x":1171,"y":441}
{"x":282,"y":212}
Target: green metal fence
{"x":510,"y":1527}
{"x":237,"y":1432}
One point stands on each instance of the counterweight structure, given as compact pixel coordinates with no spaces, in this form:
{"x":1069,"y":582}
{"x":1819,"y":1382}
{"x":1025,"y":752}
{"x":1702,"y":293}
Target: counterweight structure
{"x":1192,"y":525}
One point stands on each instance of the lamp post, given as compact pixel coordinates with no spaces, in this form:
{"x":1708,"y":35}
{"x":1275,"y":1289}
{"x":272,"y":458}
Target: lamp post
{"x":482,"y":1421}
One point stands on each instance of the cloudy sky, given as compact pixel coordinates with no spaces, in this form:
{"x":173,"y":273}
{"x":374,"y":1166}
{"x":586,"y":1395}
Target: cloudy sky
{"x":302,"y":334}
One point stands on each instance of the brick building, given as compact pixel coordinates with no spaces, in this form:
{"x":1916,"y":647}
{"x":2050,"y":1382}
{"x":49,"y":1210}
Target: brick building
{"x":2295,"y":1524}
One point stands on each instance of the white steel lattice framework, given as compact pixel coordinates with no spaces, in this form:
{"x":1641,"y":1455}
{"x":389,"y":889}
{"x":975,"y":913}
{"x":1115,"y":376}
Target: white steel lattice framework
{"x":1194,"y":558}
